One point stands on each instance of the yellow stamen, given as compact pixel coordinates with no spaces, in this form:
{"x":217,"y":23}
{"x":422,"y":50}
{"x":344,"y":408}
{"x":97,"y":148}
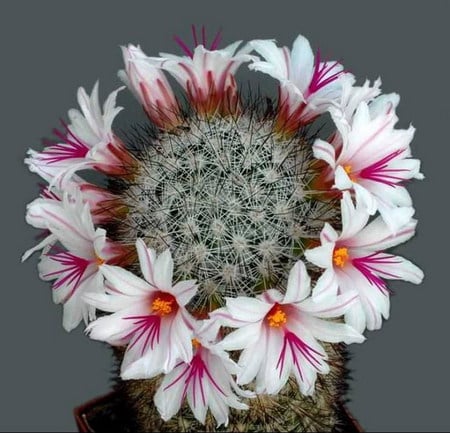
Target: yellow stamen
{"x":162,"y":306}
{"x":340,"y":256}
{"x":348,"y":170}
{"x":195,"y":343}
{"x":99,"y":261}
{"x":277,"y":318}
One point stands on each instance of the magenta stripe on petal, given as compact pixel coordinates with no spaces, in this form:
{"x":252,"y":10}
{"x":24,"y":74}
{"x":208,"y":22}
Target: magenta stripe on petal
{"x":319,"y":78}
{"x":195,"y":373}
{"x":296,"y":346}
{"x":45,"y":192}
{"x":216,"y":41}
{"x":145,"y":326}
{"x":179,"y":377}
{"x":368,"y":267}
{"x":194,"y":35}
{"x":190,"y":51}
{"x":73,"y":271}
{"x":184,"y":47}
{"x":71,"y":147}
{"x":378,"y":171}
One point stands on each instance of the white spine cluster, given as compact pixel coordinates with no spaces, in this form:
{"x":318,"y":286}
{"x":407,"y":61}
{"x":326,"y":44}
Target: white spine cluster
{"x":227,"y":197}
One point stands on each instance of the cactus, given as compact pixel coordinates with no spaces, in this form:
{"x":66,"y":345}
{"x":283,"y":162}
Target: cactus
{"x":218,"y":204}
{"x":231,"y":199}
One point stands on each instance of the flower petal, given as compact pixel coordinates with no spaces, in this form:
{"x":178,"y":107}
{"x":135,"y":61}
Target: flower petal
{"x":184,"y":291}
{"x":272,"y":375}
{"x":113,"y":328}
{"x":180,"y":340}
{"x":332,"y":332}
{"x":377,"y":236}
{"x":299,"y":284}
{"x":375,"y":303}
{"x":365,"y":198}
{"x":276,"y":64}
{"x":126,"y":282}
{"x":342,"y":180}
{"x":240,"y":338}
{"x":397,"y":268}
{"x":164,"y":271}
{"x":330,"y":307}
{"x":47,"y":241}
{"x":396,"y":217}
{"x":325,"y":151}
{"x":108,"y":303}
{"x":168,"y":399}
{"x":248,"y":309}
{"x":354,"y":218}
{"x":302,"y":63}
{"x":251,"y":359}
{"x":147,"y":258}
{"x":326,"y":286}
{"x":328,"y":234}
{"x":355,"y":317}
{"x":321,"y":256}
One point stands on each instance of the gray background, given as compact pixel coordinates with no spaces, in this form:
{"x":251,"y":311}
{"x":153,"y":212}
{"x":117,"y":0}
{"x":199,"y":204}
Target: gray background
{"x":401,"y":379}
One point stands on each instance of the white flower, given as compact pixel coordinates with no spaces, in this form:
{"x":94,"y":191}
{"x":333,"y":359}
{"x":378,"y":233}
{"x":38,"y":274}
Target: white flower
{"x":354,"y":260}
{"x":149,"y":316}
{"x":207,"y":76}
{"x":104,"y":206}
{"x":76,"y":268}
{"x":308,"y":87}
{"x":373,"y":160}
{"x":150,"y":86}
{"x":88,"y":141}
{"x":37,"y":220}
{"x":279,"y":333}
{"x":205,"y":381}
{"x":352,"y":96}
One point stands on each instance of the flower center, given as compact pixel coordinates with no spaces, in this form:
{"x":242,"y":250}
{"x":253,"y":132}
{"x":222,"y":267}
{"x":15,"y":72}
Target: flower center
{"x":340,"y":256}
{"x":195,"y":343}
{"x":164,"y":304}
{"x":99,"y":261}
{"x":276,"y":316}
{"x":348,"y":170}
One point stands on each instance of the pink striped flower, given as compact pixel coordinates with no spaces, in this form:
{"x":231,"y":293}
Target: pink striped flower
{"x":207,"y":75}
{"x":149,"y":316}
{"x":352,"y":96}
{"x":205,"y":382}
{"x":374,"y":160}
{"x":278,"y":333}
{"x":149,"y":85}
{"x":355,"y":260}
{"x":104,"y":206}
{"x":87,"y":142}
{"x":308,"y":86}
{"x":76,"y":266}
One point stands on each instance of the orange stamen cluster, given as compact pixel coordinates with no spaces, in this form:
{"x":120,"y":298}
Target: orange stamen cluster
{"x":340,"y":256}
{"x":348,"y":170}
{"x":163,"y":304}
{"x":276,"y":316}
{"x":195,"y":343}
